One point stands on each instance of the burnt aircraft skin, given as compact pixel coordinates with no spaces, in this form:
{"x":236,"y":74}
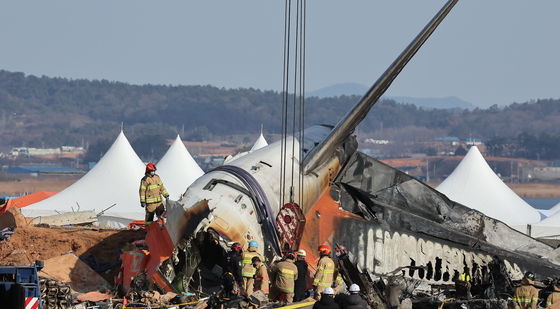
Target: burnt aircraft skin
{"x":417,"y":226}
{"x":387,"y":219}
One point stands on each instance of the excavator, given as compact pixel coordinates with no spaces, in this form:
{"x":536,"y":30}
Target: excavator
{"x":394,"y":227}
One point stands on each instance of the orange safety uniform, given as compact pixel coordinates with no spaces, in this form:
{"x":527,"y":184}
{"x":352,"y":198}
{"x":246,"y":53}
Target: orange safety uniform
{"x":286,"y":273}
{"x":151,"y":190}
{"x":324,"y":276}
{"x":526,"y":296}
{"x":553,"y":300}
{"x":248,"y":271}
{"x":261,"y":279}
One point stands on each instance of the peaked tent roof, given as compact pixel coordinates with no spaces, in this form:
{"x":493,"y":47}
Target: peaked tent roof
{"x":474,"y":184}
{"x":260,"y":143}
{"x":113,"y":180}
{"x":178,"y":169}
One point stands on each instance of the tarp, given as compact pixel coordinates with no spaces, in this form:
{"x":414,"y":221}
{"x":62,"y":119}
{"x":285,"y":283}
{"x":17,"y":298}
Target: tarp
{"x":473,"y":183}
{"x":26,"y":200}
{"x":178,"y":169}
{"x":114,"y":180}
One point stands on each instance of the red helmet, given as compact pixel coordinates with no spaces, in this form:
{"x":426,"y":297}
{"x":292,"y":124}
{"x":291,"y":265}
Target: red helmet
{"x":324,"y":249}
{"x":150,"y":167}
{"x":236,"y":246}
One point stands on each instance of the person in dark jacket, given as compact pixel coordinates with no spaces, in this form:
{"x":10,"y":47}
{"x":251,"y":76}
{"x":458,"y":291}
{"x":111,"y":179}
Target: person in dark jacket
{"x":232,"y":272}
{"x":327,"y":300}
{"x":352,"y":301}
{"x":301,"y":281}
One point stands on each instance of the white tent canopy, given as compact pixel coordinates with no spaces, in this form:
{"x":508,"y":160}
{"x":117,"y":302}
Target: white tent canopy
{"x":549,"y":227}
{"x":260,"y":143}
{"x":550,"y":212}
{"x":178,"y":169}
{"x":475,"y":185}
{"x":115,"y":179}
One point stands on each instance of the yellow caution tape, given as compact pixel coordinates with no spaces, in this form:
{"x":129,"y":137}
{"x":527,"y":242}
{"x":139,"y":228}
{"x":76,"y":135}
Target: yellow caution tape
{"x":295,"y":306}
{"x":163,"y":306}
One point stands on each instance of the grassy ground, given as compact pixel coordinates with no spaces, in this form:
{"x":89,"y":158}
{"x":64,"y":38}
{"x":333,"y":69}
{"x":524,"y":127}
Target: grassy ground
{"x":20,"y":185}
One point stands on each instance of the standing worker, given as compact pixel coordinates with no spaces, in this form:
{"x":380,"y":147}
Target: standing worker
{"x":233,"y":281}
{"x":325,"y":271}
{"x":261,"y":275}
{"x":151,"y":191}
{"x":463,"y":286}
{"x":526,"y":296}
{"x":553,"y":300}
{"x":248,"y":271}
{"x":301,"y":281}
{"x":286,"y":273}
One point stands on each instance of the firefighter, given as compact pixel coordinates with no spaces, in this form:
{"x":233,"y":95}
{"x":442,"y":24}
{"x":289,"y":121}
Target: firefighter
{"x":151,"y":191}
{"x":261,"y":275}
{"x":325,"y":271}
{"x":300,"y":283}
{"x":233,"y":280}
{"x":248,"y":271}
{"x":463,"y":286}
{"x":286,"y":273}
{"x":553,"y":300}
{"x":526,"y":296}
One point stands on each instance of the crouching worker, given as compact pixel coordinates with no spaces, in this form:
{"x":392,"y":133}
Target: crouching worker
{"x":151,"y":192}
{"x":261,"y":275}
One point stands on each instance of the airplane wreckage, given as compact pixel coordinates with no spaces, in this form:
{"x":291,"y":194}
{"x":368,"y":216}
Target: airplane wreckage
{"x":397,"y":230}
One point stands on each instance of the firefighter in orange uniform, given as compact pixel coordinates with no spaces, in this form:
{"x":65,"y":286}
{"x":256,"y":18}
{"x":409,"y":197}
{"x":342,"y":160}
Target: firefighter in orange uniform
{"x":526,"y":296}
{"x":248,"y":271}
{"x":324,"y":275}
{"x":286,"y":274}
{"x":261,"y":275}
{"x":151,"y":191}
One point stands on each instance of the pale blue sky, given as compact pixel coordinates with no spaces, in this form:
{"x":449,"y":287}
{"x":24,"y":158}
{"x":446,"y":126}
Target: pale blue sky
{"x":486,"y":51}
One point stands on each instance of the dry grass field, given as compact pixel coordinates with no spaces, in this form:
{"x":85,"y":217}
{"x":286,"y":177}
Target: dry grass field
{"x":28,"y":184}
{"x":58,"y":183}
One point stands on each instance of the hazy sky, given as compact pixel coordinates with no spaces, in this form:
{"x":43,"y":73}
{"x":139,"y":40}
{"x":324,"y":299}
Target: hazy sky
{"x":486,"y":51}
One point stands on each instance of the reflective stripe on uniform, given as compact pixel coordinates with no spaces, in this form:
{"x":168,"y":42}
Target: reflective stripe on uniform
{"x":151,"y":187}
{"x":153,"y":200}
{"x":287,"y":273}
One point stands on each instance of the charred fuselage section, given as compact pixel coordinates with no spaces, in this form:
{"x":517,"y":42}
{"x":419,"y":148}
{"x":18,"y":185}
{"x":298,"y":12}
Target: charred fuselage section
{"x":413,"y":231}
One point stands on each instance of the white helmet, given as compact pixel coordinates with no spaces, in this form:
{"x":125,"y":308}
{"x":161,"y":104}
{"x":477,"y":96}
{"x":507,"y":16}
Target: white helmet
{"x":302,"y":253}
{"x":354,"y":288}
{"x":328,"y":291}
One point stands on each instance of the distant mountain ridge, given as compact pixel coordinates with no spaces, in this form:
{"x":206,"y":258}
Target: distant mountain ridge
{"x":49,"y":112}
{"x":349,"y":89}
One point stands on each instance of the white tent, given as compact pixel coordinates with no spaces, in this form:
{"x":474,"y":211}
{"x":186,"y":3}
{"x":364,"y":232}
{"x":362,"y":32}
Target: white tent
{"x":475,"y":185}
{"x":550,"y":212}
{"x":549,"y":227}
{"x":178,"y":169}
{"x":260,"y":143}
{"x":114,"y":180}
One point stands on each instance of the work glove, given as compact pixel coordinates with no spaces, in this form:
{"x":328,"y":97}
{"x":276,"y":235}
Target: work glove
{"x":143,"y":205}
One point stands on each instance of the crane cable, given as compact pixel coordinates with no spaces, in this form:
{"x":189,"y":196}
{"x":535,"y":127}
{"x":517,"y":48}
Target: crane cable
{"x":293,"y":106}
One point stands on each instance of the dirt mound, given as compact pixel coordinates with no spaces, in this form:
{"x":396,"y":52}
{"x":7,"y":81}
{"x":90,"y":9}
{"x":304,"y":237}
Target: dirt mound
{"x":68,"y":268}
{"x":30,"y":243}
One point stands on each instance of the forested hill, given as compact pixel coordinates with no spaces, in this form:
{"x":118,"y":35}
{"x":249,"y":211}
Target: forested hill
{"x":43,"y":111}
